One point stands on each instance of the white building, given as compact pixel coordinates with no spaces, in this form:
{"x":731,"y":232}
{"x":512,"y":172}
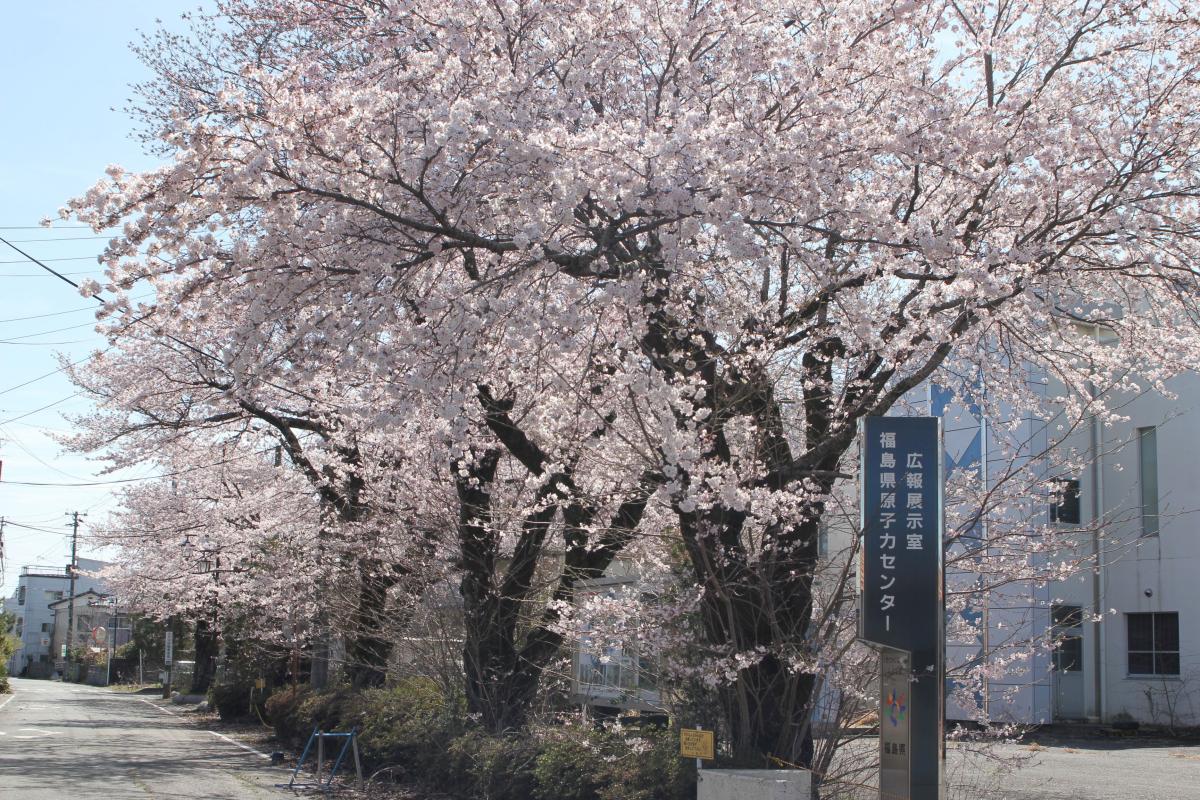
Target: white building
{"x":37,"y":587}
{"x":1130,"y":617}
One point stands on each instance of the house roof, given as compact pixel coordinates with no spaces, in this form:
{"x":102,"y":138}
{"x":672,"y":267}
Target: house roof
{"x":88,"y":593}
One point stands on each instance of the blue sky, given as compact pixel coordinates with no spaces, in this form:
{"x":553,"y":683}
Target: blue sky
{"x":67,"y":71}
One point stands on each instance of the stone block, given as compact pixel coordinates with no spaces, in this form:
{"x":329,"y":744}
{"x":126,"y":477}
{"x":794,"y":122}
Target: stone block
{"x":754,"y":784}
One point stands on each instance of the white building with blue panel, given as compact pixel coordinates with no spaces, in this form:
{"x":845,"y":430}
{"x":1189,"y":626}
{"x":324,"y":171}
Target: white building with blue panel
{"x":1128,"y":620}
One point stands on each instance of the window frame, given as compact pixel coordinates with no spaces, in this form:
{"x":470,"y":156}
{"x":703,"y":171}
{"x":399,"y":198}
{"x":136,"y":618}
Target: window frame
{"x":1147,"y":450}
{"x":1155,"y":652}
{"x":1066,"y":497}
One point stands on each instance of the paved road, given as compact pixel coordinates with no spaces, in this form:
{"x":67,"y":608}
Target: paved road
{"x":1098,"y":770}
{"x":62,"y":741}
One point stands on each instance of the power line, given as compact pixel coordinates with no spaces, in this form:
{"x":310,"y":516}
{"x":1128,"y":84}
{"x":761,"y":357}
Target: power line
{"x":98,"y":299}
{"x":47,"y":333}
{"x":48,"y":374}
{"x":43,"y":408}
{"x":36,"y":457}
{"x":61,"y":239}
{"x":43,"y":344}
{"x":69,"y":311}
{"x":44,"y":228}
{"x":39,"y":275}
{"x":43,"y":266}
{"x":69,"y":258}
{"x":32,"y":527}
{"x":187,"y":471}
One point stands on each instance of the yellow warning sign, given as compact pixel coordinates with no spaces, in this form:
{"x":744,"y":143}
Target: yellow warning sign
{"x":696,"y":744}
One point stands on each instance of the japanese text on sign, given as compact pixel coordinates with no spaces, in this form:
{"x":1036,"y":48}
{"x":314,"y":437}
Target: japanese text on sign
{"x":901,"y":529}
{"x":697,"y":744}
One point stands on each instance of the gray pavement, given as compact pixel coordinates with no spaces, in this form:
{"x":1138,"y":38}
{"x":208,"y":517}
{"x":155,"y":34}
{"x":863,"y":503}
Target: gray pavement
{"x":61,"y":741}
{"x":1061,"y":767}
{"x":1100,"y":770}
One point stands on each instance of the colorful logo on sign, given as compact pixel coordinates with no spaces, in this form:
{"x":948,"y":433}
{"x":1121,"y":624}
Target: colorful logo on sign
{"x":896,"y":708}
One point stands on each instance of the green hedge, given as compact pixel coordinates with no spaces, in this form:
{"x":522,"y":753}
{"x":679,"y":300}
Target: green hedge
{"x":412,"y":728}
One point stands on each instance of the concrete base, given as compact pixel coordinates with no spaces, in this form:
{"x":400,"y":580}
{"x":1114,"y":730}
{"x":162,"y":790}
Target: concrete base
{"x":754,"y":784}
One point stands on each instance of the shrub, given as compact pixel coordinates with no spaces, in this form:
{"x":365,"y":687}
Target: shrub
{"x":568,"y":769}
{"x":413,"y":726}
{"x":646,"y":766}
{"x":585,"y":764}
{"x":409,"y":725}
{"x":490,"y":767}
{"x":285,"y":710}
{"x":237,"y":700}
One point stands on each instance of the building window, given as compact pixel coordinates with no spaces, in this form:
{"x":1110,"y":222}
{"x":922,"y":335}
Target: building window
{"x":1153,"y":643}
{"x":20,"y":595}
{"x":1148,"y":479}
{"x":1064,"y":507}
{"x":45,"y":627}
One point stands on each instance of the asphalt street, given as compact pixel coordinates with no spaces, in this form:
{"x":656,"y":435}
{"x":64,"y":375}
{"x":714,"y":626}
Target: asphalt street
{"x":60,"y":741}
{"x":1097,"y":770}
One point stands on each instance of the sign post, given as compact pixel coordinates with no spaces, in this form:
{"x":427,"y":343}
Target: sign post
{"x":698,"y":744}
{"x":901,"y":600}
{"x":168,"y":657}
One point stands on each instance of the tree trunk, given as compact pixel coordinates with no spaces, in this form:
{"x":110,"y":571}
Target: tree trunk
{"x":752,"y":607}
{"x":368,"y":649}
{"x":207,"y":645}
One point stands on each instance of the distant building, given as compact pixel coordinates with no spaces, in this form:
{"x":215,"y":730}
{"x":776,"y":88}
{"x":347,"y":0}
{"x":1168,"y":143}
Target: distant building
{"x":37,"y":587}
{"x":98,"y":623}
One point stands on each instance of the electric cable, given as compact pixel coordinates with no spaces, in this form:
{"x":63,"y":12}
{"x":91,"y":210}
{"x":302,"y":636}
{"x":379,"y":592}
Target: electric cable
{"x":47,"y":333}
{"x":36,"y":410}
{"x":116,"y":481}
{"x":67,"y":258}
{"x":61,"y":239}
{"x":68,"y":311}
{"x":48,"y":374}
{"x":38,"y":274}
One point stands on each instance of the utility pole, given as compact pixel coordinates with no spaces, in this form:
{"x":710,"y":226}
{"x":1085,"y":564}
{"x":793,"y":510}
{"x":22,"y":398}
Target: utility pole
{"x":75,"y":515}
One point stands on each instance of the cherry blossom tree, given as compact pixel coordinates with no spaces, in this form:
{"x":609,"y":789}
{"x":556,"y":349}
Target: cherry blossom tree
{"x":719,"y":233}
{"x":171,"y":403}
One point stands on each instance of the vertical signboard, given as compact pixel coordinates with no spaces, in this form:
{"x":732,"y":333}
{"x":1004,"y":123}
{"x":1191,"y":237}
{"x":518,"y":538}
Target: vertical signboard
{"x":901,"y":603}
{"x":168,"y":647}
{"x":902,"y":532}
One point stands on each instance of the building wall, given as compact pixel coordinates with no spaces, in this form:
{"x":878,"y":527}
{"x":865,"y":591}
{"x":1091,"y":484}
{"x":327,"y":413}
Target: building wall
{"x":1155,"y":573}
{"x":36,"y":588}
{"x":1139,"y":574}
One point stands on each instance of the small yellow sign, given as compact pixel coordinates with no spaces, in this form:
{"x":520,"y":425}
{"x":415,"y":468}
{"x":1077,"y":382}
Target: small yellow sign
{"x":259,"y":683}
{"x":696,"y":744}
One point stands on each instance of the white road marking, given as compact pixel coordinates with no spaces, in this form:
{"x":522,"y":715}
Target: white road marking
{"x":156,"y":705}
{"x":41,"y":734}
{"x":247,"y":747}
{"x":258,"y":753}
{"x":6,"y":702}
